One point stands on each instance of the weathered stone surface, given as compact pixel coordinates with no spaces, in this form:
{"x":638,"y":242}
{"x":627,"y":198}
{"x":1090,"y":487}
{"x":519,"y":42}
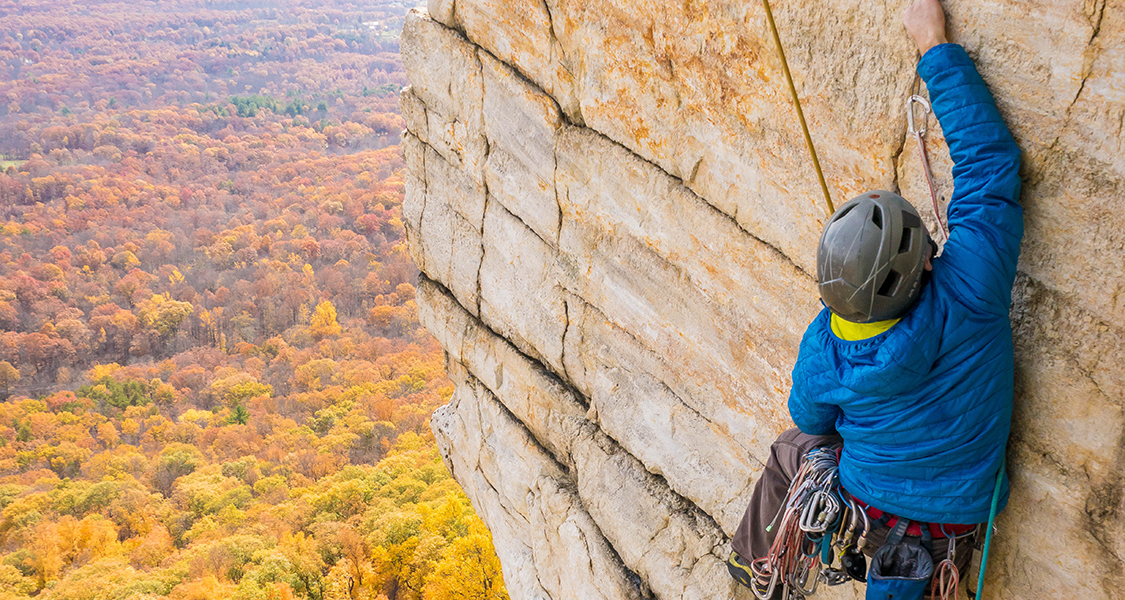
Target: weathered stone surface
{"x":552,"y":548}
{"x":520,"y":123}
{"x":520,"y":295}
{"x":652,"y":423}
{"x":520,"y":33}
{"x":448,"y":81}
{"x":638,"y":220}
{"x":441,"y":206}
{"x":677,"y":274}
{"x":543,"y":404}
{"x":414,"y":150}
{"x":414,"y":113}
{"x":674,"y":547}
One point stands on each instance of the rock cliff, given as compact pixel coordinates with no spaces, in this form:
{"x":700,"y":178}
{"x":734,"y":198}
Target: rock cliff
{"x":616,"y":221}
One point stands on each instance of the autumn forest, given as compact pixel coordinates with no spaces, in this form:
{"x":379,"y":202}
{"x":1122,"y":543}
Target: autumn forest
{"x":214,"y":382}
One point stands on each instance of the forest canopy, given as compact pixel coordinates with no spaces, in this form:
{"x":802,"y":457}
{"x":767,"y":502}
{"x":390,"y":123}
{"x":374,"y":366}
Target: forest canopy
{"x":215,"y":384}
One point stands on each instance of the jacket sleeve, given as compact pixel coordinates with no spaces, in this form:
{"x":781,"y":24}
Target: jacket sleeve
{"x":985,"y":217}
{"x":810,"y":415}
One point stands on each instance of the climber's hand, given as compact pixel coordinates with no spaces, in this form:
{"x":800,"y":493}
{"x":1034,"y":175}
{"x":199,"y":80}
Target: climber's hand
{"x":925,"y":22}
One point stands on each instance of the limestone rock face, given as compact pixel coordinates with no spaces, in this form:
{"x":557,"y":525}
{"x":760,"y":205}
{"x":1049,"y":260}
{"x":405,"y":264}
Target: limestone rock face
{"x":616,"y":220}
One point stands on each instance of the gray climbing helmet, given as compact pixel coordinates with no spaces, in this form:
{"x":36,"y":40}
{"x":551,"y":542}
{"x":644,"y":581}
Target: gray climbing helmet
{"x":871,"y":258}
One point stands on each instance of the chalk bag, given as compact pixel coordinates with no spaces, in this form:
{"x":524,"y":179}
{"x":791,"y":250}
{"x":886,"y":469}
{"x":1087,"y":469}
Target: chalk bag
{"x":900,"y":570}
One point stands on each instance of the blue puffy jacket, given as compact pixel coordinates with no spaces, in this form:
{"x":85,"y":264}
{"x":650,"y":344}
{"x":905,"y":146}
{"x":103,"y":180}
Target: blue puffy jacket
{"x":925,"y":408}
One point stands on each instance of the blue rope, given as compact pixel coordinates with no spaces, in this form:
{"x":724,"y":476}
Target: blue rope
{"x":988,"y":533}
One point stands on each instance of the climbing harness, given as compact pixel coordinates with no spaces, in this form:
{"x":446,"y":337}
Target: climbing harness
{"x":818,"y":521}
{"x":800,"y":113}
{"x":919,"y":134}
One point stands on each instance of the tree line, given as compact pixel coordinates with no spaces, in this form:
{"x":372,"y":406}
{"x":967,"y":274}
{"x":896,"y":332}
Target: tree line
{"x":215,"y":382}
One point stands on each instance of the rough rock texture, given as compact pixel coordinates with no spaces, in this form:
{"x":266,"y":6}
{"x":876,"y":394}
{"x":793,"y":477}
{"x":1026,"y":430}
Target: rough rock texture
{"x":616,"y":220}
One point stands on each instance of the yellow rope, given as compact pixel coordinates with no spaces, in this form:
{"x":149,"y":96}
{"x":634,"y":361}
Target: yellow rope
{"x":800,"y":113}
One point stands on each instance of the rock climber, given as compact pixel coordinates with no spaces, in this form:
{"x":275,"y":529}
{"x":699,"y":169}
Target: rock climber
{"x":910,"y":365}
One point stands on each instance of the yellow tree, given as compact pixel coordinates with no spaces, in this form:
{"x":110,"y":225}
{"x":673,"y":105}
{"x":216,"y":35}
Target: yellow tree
{"x":323,"y":322}
{"x":306,"y":562}
{"x":163,"y":314}
{"x":13,"y":583}
{"x":352,"y":577}
{"x":469,"y":570}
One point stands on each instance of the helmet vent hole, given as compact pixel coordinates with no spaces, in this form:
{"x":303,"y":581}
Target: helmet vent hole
{"x":907,"y":238}
{"x":889,"y":284}
{"x":910,"y":221}
{"x":877,"y":217}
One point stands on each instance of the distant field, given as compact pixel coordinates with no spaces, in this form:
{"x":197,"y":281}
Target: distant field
{"x":4,"y":164}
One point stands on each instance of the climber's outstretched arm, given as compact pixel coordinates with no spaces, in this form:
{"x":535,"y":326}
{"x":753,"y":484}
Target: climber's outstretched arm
{"x":985,"y":217}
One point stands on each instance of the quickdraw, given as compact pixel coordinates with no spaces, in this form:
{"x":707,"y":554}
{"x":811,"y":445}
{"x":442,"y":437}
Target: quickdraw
{"x":947,"y":578}
{"x":919,"y":134}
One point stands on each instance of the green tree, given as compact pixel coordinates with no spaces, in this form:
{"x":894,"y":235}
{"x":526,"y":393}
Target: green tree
{"x":23,"y":432}
{"x":238,"y":415}
{"x":175,"y":461}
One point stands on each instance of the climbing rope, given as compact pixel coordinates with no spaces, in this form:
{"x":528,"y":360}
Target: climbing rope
{"x":988,"y":532}
{"x":800,"y":113}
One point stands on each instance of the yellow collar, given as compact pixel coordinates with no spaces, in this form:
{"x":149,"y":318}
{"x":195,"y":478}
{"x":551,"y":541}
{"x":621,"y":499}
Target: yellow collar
{"x":853,"y":332}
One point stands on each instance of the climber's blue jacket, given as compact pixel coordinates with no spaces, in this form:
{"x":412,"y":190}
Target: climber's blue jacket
{"x":925,"y":408}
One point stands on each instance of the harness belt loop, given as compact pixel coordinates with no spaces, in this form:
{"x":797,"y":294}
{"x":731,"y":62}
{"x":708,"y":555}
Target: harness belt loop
{"x":927,"y":537}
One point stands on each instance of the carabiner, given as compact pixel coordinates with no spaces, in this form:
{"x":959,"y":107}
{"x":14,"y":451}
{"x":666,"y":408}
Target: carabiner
{"x":910,"y":114}
{"x":768,"y":594}
{"x":798,"y":581}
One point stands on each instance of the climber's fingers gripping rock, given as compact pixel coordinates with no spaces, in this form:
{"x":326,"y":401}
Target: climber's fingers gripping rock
{"x":925,"y":22}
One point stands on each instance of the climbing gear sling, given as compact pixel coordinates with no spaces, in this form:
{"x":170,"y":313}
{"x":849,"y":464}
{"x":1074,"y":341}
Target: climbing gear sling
{"x":947,"y":579}
{"x":797,"y":105}
{"x":810,"y":514}
{"x":818,"y":521}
